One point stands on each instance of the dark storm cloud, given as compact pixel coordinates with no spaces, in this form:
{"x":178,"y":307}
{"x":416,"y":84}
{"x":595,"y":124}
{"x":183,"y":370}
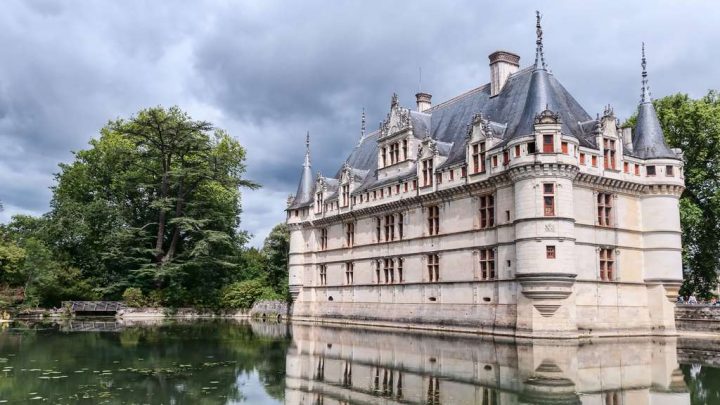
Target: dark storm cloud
{"x":269,"y":71}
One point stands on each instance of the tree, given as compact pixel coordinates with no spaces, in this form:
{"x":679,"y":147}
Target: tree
{"x":276,"y":248}
{"x":694,"y":126}
{"x":154,"y":204}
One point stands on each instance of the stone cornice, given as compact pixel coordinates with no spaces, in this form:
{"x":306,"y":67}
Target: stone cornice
{"x":630,"y":187}
{"x":538,"y":169}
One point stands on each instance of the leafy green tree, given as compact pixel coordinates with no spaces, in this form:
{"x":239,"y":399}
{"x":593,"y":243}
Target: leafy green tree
{"x":243,"y":294}
{"x":154,"y":204}
{"x":694,"y":126}
{"x":276,"y":248}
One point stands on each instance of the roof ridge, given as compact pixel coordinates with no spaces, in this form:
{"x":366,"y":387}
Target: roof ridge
{"x":475,"y":90}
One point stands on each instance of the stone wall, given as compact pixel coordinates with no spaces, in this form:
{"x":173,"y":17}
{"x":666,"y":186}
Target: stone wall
{"x":270,"y":309}
{"x":697,"y":318}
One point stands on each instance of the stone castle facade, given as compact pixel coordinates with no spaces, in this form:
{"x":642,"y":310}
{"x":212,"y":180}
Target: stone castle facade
{"x":507,"y":210}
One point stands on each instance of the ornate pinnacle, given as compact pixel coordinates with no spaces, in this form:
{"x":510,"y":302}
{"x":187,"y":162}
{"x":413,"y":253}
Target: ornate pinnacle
{"x":645,"y":97}
{"x":362,"y":127}
{"x":307,"y":149}
{"x":394,"y":101}
{"x":539,"y":57}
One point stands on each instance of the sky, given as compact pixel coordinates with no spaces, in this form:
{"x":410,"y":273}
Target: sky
{"x":268,"y":71}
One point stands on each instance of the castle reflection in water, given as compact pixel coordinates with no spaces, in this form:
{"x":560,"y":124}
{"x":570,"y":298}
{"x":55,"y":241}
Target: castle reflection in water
{"x":332,"y":365}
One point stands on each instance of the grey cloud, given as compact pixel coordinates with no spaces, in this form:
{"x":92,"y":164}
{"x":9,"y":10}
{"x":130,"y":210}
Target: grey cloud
{"x":269,"y":71}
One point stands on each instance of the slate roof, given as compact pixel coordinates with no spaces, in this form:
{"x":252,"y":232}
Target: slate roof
{"x":648,"y":140}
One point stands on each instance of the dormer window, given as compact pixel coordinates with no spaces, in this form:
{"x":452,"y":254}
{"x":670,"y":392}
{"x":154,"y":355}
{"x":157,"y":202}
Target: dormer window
{"x":548,"y":144}
{"x":609,"y":153}
{"x":478,"y":157}
{"x":318,"y":203}
{"x":405,"y":149}
{"x":384,"y":156}
{"x":506,"y":158}
{"x":427,"y":172}
{"x":346,"y":195}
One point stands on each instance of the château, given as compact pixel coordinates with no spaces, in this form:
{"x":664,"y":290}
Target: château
{"x":505,"y":210}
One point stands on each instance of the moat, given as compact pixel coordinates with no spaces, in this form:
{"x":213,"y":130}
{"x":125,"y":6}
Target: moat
{"x":233,"y":362}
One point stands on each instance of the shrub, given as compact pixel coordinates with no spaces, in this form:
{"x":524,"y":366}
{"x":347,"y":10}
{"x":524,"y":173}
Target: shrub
{"x":243,"y":294}
{"x":133,"y":297}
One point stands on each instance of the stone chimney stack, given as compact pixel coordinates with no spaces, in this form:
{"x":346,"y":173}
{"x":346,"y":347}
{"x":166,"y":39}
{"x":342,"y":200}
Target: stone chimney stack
{"x":502,"y":65}
{"x":423,"y":101}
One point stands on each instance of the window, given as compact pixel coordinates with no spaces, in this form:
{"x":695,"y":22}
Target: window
{"x":346,"y":195}
{"x":433,"y":266}
{"x":405,"y":187}
{"x":389,"y":271}
{"x":564,"y":147}
{"x":395,"y":153}
{"x":401,"y":226}
{"x":323,"y":274}
{"x":349,"y":234}
{"x":494,"y":161}
{"x":377,"y":271}
{"x":609,"y":153}
{"x":478,"y":157}
{"x":384,"y":156}
{"x":550,"y":252}
{"x":378,"y":229}
{"x":549,"y":199}
{"x":517,"y":150}
{"x":323,"y":238}
{"x":349,"y":273}
{"x":604,"y":208}
{"x":548,"y":144}
{"x":433,"y":219}
{"x":400,"y":261}
{"x":637,"y":169}
{"x":318,"y":203}
{"x":487,"y":264}
{"x":506,"y":158}
{"x":415,"y":184}
{"x":531,"y":147}
{"x":397,"y":189}
{"x":389,"y":227}
{"x":607,"y":265}
{"x":582,"y":158}
{"x":427,"y":172}
{"x":452,"y":174}
{"x":405,"y":149}
{"x":669,"y":171}
{"x":650,"y":170}
{"x":626,"y":167}
{"x":463,"y":172}
{"x":438,"y":178}
{"x":487,"y":211}
{"x":594,"y":161}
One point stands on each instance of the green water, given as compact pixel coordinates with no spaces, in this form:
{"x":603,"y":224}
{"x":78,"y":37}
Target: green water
{"x":230,"y":362}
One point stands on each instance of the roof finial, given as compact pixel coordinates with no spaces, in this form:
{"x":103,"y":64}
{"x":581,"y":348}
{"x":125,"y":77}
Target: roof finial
{"x":307,"y":149}
{"x":645,"y":97}
{"x":362,"y":127}
{"x":394,"y":101}
{"x":539,"y":57}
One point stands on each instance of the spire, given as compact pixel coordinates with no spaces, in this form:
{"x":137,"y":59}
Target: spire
{"x":539,"y":57}
{"x":307,"y":150}
{"x":303,"y":196}
{"x":362,"y":127}
{"x":648,"y":140}
{"x":645,"y":97}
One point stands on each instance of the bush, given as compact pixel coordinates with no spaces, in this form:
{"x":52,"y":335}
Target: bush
{"x":133,"y":297}
{"x":243,"y":294}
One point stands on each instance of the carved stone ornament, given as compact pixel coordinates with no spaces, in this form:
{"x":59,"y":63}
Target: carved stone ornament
{"x":397,"y":120}
{"x":547,"y":117}
{"x":483,"y":127}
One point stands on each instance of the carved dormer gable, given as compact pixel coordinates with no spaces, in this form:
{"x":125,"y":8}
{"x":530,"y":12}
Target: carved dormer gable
{"x":427,"y":148}
{"x":345,"y":174}
{"x":547,"y":117}
{"x":397,"y":120}
{"x":609,"y":126}
{"x":479,"y":129}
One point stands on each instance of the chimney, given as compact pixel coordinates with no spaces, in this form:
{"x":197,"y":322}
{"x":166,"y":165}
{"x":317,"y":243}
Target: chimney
{"x":423,"y":101}
{"x":502,"y":65}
